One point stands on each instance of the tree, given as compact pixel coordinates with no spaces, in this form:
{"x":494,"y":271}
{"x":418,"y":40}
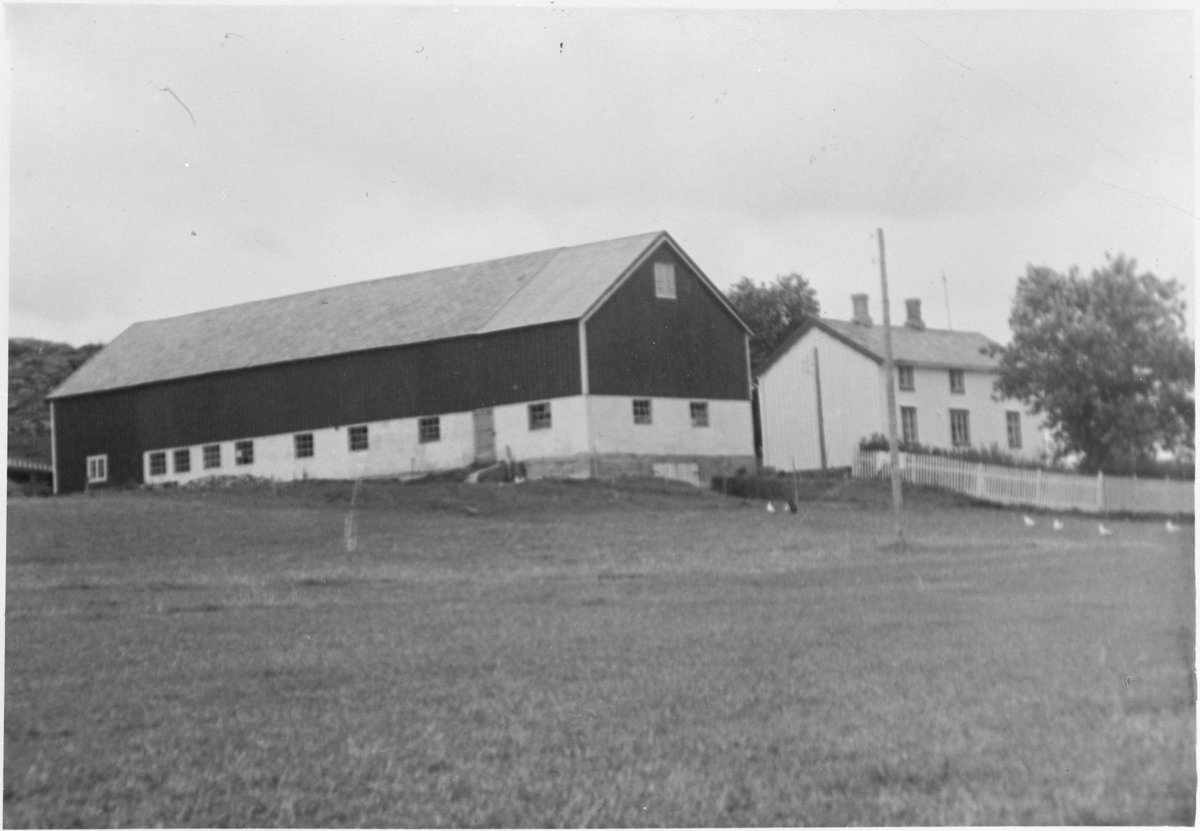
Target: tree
{"x":772,"y":311}
{"x":1105,"y":359}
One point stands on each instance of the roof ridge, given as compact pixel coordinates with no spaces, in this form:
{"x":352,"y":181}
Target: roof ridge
{"x":552,"y":250}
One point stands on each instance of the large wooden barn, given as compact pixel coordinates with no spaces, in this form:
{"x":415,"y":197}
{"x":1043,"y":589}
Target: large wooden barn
{"x":593,"y":360}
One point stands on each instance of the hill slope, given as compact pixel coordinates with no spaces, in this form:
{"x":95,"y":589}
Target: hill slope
{"x":35,"y":367}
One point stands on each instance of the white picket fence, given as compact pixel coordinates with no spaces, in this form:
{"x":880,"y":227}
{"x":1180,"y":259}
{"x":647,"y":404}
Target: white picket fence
{"x":1035,"y":488}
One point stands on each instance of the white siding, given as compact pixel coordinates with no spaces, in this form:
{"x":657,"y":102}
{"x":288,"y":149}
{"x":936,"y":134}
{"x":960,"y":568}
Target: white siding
{"x":730,"y":431}
{"x":851,"y":397}
{"x":393,"y":447}
{"x":854,"y":400}
{"x":933,"y":401}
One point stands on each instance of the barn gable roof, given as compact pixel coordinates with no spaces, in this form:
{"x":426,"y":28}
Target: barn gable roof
{"x":558,"y":284}
{"x":918,"y":347}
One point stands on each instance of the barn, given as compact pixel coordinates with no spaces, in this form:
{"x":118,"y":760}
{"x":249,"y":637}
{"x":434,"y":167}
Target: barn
{"x":610,"y":358}
{"x":825,"y":388}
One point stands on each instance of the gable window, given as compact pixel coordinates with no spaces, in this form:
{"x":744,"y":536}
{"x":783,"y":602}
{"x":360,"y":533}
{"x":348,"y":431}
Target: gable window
{"x":905,"y":377}
{"x":957,"y":383}
{"x":183,"y":461}
{"x":664,"y":280}
{"x":243,"y":453}
{"x":539,"y":416}
{"x":960,"y":428}
{"x":908,"y":425}
{"x":699,"y":410}
{"x":304,"y":445}
{"x":358,"y":438}
{"x":641,"y":411}
{"x":212,"y":456}
{"x":429,"y":429}
{"x":158,"y":463}
{"x":97,"y":468}
{"x":1012,"y":421}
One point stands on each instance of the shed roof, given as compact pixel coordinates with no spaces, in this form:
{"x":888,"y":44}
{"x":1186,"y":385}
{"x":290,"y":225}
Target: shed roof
{"x":919,"y":347}
{"x":509,"y":293}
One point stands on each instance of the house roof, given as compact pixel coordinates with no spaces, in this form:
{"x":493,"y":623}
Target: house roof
{"x":918,"y":347}
{"x":509,"y":293}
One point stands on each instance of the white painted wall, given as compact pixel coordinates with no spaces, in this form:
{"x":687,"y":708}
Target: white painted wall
{"x":394,"y":448}
{"x":932,"y":398}
{"x":730,"y":430}
{"x":854,"y":397}
{"x":851,"y":398}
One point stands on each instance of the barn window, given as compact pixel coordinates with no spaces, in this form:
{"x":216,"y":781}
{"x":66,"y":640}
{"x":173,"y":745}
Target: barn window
{"x":304,"y":445}
{"x":358,"y":438}
{"x":905,"y":377}
{"x":539,"y":416}
{"x":183,"y":461}
{"x":957,"y":383}
{"x":97,"y":468}
{"x":243,"y":453}
{"x":158,"y":463}
{"x":212,"y":456}
{"x":960,"y":428}
{"x":641,"y":411}
{"x":664,"y":280}
{"x":908,"y":425}
{"x":429,"y":429}
{"x":699,"y":411}
{"x":1013,"y":422}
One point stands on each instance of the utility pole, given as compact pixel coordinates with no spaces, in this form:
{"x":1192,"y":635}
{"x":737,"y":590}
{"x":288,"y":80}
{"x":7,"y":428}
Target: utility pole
{"x":890,"y":370}
{"x":946,"y":295}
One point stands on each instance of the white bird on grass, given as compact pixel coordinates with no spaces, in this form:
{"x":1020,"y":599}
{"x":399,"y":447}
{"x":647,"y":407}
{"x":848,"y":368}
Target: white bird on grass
{"x":770,"y":508}
{"x":1058,"y":526}
{"x":1029,"y":523}
{"x":1172,"y":527}
{"x":1105,"y":532}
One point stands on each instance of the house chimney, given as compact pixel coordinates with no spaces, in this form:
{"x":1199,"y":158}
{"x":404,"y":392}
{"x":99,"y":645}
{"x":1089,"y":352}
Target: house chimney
{"x":914,"y":315}
{"x":861,"y":316}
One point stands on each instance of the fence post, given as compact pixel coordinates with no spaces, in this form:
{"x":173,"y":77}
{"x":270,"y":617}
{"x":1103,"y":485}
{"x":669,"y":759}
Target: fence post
{"x":979,"y":481}
{"x":1100,"y":490}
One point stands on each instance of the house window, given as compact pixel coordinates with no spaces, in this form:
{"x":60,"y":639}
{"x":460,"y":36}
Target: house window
{"x":212,"y":456}
{"x":960,"y":428}
{"x":957,"y":383}
{"x":97,"y":468}
{"x":664,"y":280}
{"x":243,"y":453}
{"x":158,"y":463}
{"x":539,"y":416}
{"x":699,"y":413}
{"x":1013,"y":422}
{"x":429,"y":429}
{"x":905,"y":377}
{"x":641,"y":411}
{"x":358,"y":438}
{"x":183,"y":461}
{"x":304,"y":445}
{"x":908,"y":425}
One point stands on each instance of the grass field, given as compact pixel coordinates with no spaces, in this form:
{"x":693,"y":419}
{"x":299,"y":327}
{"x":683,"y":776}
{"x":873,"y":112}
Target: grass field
{"x":637,"y":654}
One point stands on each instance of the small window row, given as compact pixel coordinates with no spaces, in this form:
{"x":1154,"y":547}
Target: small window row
{"x":960,"y":427}
{"x":906,"y":380}
{"x":644,"y":414}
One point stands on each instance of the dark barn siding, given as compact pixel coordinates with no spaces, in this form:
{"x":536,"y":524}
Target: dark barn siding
{"x":402,"y":382}
{"x":690,"y":347}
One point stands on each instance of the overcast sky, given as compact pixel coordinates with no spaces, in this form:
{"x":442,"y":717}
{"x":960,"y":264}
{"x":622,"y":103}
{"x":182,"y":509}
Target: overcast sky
{"x":168,"y":159}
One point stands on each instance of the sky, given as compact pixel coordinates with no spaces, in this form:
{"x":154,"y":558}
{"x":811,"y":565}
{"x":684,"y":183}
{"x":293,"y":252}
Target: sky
{"x":167,"y":159}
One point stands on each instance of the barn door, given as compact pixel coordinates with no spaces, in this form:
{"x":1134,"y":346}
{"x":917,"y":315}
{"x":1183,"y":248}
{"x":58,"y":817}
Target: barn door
{"x":485,"y":437}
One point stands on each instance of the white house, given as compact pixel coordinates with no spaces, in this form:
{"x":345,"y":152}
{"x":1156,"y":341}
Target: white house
{"x":825,"y":389}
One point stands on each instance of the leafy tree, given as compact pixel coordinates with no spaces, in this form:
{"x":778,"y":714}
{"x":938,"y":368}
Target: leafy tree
{"x":1105,"y":359}
{"x":772,"y":311}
